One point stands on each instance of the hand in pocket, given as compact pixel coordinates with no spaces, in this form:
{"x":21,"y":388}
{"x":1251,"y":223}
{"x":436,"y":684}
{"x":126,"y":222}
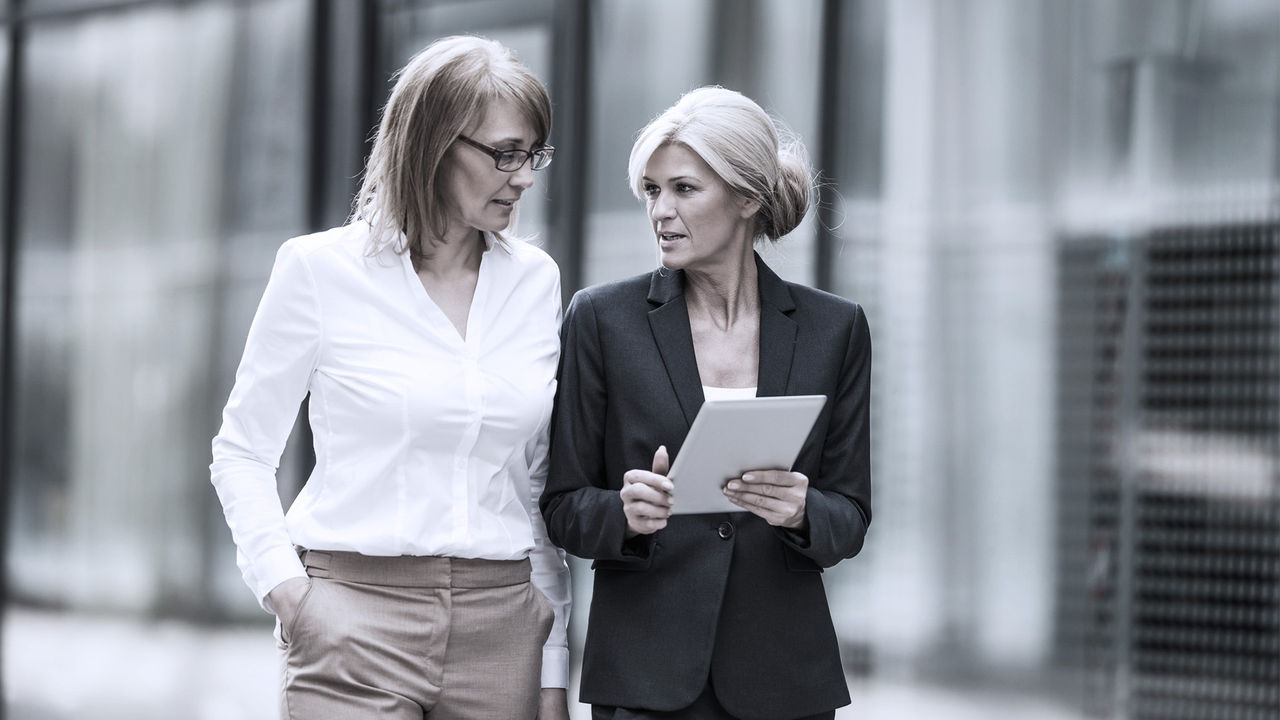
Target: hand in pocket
{"x":286,"y":598}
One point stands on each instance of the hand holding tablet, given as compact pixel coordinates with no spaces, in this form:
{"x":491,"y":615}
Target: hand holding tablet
{"x":777,"y":496}
{"x":731,"y":437}
{"x":646,"y":497}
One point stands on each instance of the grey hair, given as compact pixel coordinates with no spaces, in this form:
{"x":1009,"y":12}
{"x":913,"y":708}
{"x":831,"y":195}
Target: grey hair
{"x":756,"y":155}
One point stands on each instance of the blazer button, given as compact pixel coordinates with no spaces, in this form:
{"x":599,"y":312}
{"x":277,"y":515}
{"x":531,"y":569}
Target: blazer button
{"x":725,"y":531}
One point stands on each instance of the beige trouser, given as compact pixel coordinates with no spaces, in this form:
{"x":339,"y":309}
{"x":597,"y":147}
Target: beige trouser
{"x":414,"y":637}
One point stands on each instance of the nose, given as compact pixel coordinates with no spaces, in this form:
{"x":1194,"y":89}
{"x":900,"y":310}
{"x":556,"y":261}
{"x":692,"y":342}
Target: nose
{"x":661,"y":208}
{"x":522,"y":178}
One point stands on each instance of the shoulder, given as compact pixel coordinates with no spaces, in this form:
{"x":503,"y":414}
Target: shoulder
{"x":615,"y":304}
{"x":823,"y":306}
{"x":529,"y":257}
{"x":528,"y":271}
{"x":626,"y":292}
{"x":341,"y":244}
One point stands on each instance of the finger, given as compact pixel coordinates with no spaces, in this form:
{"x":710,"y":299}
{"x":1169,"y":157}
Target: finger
{"x":748,"y":487}
{"x":656,"y":484}
{"x":751,"y":503}
{"x":773,"y":517}
{"x":661,"y":462}
{"x":780,"y":478}
{"x":767,"y":503}
{"x":645,"y":511}
{"x":641,"y":522}
{"x":647,"y":527}
{"x":653,"y":480}
{"x":645,"y":494}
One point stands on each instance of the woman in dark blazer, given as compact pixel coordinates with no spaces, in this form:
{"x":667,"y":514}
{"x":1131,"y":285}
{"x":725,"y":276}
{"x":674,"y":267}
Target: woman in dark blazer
{"x":710,"y":615}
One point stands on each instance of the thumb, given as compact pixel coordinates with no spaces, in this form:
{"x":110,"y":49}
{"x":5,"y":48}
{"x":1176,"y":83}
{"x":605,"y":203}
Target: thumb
{"x":661,"y":463}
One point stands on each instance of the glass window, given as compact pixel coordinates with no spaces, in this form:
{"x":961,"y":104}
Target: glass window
{"x":5,"y":111}
{"x":524,"y":27}
{"x":156,"y":185}
{"x":1172,"y":97}
{"x":647,"y":54}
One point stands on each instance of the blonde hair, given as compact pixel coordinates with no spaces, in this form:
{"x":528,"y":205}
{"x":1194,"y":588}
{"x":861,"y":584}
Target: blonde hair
{"x":757,"y":156}
{"x":438,"y":93}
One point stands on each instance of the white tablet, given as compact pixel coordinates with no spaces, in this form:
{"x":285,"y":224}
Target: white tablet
{"x":730,"y":437}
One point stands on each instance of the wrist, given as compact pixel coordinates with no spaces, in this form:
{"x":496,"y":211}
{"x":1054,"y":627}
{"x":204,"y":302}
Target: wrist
{"x":798,"y":524}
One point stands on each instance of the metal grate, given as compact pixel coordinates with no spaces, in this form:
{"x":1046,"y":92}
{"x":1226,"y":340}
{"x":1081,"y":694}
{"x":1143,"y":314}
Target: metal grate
{"x":1170,"y":471}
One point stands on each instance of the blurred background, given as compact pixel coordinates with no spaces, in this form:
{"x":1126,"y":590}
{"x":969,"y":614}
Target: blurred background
{"x":1062,"y":217}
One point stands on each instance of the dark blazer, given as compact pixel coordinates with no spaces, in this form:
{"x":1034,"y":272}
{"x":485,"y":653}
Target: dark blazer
{"x":725,"y":596}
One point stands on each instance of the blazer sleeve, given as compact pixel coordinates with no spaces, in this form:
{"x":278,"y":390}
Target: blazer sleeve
{"x":838,"y":503}
{"x":583,"y":513}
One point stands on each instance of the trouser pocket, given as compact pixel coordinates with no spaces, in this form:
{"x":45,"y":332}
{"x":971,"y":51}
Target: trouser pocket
{"x":287,"y":630}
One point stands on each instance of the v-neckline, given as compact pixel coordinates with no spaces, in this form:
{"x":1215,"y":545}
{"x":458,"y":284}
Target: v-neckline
{"x":474,"y":309}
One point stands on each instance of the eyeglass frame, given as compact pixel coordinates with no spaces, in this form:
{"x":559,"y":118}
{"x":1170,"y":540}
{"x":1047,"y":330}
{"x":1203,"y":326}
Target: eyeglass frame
{"x":530,"y":156}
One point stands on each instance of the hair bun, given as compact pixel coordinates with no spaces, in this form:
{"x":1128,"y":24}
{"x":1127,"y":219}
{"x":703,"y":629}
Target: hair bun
{"x":792,"y":190}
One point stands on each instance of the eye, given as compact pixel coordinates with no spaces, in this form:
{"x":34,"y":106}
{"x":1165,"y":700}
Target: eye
{"x":542,"y":156}
{"x":684,"y":188}
{"x":509,"y":158}
{"x":650,"y":189}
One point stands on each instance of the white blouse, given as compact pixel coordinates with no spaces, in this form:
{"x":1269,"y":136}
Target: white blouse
{"x":710,"y":392}
{"x":426,"y":443}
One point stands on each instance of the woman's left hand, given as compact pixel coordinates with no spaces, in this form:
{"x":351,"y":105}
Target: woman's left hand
{"x":553,"y":704}
{"x":775,"y":495}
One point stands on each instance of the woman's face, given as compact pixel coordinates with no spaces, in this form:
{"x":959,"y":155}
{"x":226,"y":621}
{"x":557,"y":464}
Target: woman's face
{"x":482,"y":197}
{"x":698,"y":220}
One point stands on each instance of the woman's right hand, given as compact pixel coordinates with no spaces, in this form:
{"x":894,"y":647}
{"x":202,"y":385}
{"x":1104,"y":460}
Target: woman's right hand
{"x":286,"y":597}
{"x":646,"y":496}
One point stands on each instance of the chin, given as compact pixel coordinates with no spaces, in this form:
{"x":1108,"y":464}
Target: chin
{"x":673,"y":260}
{"x":496,"y":226}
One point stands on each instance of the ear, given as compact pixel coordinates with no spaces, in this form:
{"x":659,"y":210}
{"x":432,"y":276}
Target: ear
{"x":749,"y":208}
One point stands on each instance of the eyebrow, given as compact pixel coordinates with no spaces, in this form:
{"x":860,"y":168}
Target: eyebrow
{"x":646,"y":178}
{"x":514,"y":140}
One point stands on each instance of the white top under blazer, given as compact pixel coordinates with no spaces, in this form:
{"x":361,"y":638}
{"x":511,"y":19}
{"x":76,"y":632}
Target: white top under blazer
{"x":426,"y":443}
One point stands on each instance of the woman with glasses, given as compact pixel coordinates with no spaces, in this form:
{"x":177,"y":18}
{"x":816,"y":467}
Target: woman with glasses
{"x":718,"y":615}
{"x":412,"y":577}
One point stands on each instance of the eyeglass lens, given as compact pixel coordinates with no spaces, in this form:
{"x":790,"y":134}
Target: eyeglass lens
{"x":511,"y":160}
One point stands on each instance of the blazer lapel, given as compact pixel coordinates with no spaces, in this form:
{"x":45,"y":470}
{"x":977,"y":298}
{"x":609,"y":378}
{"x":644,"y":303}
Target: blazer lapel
{"x":777,"y":332}
{"x":669,"y":321}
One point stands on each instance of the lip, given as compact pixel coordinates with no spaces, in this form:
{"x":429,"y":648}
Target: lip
{"x":667,"y":239}
{"x":506,"y":202}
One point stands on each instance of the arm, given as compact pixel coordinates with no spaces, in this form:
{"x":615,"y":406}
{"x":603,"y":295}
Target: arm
{"x":550,"y":576}
{"x":273,"y":377}
{"x":828,"y":524}
{"x":583,"y":514}
{"x":550,"y":572}
{"x":838,"y":510}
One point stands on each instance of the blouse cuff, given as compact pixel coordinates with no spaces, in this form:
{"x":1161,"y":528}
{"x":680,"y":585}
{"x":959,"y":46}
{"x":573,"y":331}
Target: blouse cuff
{"x":272,"y":568}
{"x":555,"y":667}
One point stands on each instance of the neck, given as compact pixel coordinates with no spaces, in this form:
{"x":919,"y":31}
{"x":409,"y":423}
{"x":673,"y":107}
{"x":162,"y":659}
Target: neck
{"x":456,"y":255}
{"x":725,"y":294}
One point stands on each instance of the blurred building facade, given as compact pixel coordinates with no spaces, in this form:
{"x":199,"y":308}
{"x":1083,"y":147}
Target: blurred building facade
{"x":1061,"y":215}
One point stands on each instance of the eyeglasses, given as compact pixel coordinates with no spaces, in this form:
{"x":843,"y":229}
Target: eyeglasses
{"x":514,"y":159}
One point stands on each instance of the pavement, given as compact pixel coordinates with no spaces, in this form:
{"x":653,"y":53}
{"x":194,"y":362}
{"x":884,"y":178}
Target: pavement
{"x":58,"y":666}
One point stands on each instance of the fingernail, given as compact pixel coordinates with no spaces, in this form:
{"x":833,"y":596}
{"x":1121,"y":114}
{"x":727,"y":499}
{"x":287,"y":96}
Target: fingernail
{"x":734,"y":485}
{"x":749,"y":477}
